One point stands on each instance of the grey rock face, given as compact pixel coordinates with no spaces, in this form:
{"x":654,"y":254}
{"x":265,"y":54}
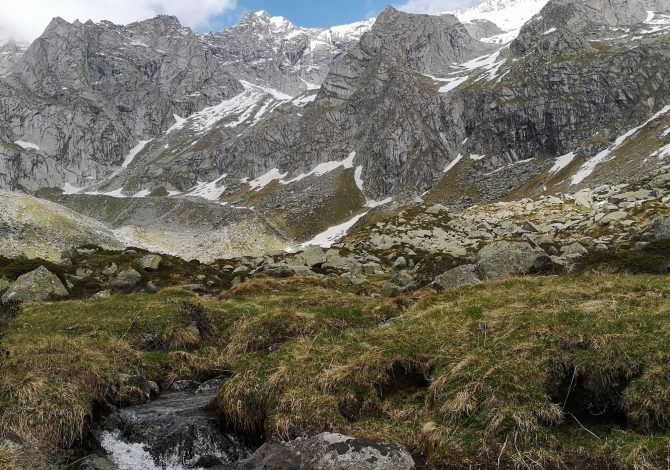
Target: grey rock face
{"x":465,"y":275}
{"x":78,"y":82}
{"x":503,"y":259}
{"x":330,"y":451}
{"x":10,"y":54}
{"x":479,"y":29}
{"x":37,"y":285}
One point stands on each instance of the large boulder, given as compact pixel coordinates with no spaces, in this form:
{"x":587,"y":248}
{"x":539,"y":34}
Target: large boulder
{"x":37,"y":285}
{"x":465,"y":275}
{"x":311,"y":256}
{"x":126,"y":280}
{"x":150,"y":262}
{"x":330,"y":451}
{"x":505,"y":259}
{"x":660,"y":227}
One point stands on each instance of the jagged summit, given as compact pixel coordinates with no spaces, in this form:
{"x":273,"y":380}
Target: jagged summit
{"x":508,"y":15}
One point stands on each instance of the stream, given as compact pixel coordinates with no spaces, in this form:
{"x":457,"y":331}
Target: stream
{"x":172,"y":432}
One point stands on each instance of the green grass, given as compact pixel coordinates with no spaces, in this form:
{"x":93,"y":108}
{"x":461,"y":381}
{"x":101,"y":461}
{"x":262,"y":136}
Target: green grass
{"x":535,"y":372}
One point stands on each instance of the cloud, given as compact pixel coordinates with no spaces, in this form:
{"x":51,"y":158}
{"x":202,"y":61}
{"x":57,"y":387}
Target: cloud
{"x":25,"y":20}
{"x":434,"y":6}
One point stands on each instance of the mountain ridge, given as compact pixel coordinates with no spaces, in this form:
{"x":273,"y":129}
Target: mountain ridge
{"x":404,"y":109}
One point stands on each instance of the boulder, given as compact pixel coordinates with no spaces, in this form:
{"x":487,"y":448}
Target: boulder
{"x":150,"y":262}
{"x":110,"y":269}
{"x":184,"y":386}
{"x":576,"y":249}
{"x":311,"y":256}
{"x":126,"y":280}
{"x":584,"y":199}
{"x":660,"y":227}
{"x":277,"y":270}
{"x":241,"y":270}
{"x":437,"y":209}
{"x":103,"y":294}
{"x":84,"y":272}
{"x":330,"y":451}
{"x":391,"y":290}
{"x":40,"y":284}
{"x":400,"y":263}
{"x":613,"y":217}
{"x":504,"y":259}
{"x":661,"y":181}
{"x":96,"y":462}
{"x":465,"y":275}
{"x":133,"y":389}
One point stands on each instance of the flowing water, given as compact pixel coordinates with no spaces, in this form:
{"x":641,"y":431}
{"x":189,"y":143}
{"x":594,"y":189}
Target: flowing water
{"x":173,"y":432}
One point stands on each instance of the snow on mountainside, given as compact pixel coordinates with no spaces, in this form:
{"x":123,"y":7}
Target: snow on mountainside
{"x":508,"y":15}
{"x":271,"y":51}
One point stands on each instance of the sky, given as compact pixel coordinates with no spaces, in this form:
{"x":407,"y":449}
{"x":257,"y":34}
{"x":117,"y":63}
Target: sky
{"x":24,"y":20}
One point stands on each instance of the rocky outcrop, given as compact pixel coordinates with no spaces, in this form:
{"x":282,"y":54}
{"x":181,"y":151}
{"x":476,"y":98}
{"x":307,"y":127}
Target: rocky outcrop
{"x":37,"y":285}
{"x":330,"y":451}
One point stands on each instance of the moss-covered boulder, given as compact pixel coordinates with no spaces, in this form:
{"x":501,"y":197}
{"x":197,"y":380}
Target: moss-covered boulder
{"x":40,"y":284}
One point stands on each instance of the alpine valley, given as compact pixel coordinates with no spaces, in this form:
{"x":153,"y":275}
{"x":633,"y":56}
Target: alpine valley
{"x":416,"y":241}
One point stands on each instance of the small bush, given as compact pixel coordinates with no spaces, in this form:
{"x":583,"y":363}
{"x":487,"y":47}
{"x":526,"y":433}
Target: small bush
{"x":652,"y":259}
{"x":9,"y":310}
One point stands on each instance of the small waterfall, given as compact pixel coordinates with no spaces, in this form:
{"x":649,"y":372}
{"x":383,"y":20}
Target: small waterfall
{"x":173,"y":432}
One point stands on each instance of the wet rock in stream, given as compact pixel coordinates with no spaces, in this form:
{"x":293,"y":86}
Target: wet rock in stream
{"x":172,"y":432}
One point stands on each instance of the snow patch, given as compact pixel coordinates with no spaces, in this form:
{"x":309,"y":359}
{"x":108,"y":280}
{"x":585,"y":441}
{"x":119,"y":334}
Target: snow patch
{"x":507,"y":14}
{"x":562,"y":162}
{"x":211,"y":191}
{"x":358,"y":177}
{"x":549,"y":31}
{"x":141,"y":194}
{"x":605,"y":155}
{"x":26,"y":145}
{"x":323,"y":168}
{"x":302,"y":101}
{"x":453,"y":163}
{"x":133,"y":153}
{"x":69,"y":189}
{"x":372,"y":204}
{"x":179,"y":122}
{"x":330,"y":236}
{"x":263,"y":180}
{"x":476,"y":157}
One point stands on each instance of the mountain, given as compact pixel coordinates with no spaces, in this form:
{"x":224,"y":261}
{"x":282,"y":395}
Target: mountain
{"x":271,"y":51}
{"x":312,"y":128}
{"x":508,"y":15}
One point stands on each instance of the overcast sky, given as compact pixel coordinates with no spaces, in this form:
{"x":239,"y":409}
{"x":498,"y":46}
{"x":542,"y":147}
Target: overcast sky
{"x":26,"y":19}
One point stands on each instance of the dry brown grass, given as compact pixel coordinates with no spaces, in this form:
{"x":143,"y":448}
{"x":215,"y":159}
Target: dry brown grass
{"x":49,"y":385}
{"x":479,"y":374}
